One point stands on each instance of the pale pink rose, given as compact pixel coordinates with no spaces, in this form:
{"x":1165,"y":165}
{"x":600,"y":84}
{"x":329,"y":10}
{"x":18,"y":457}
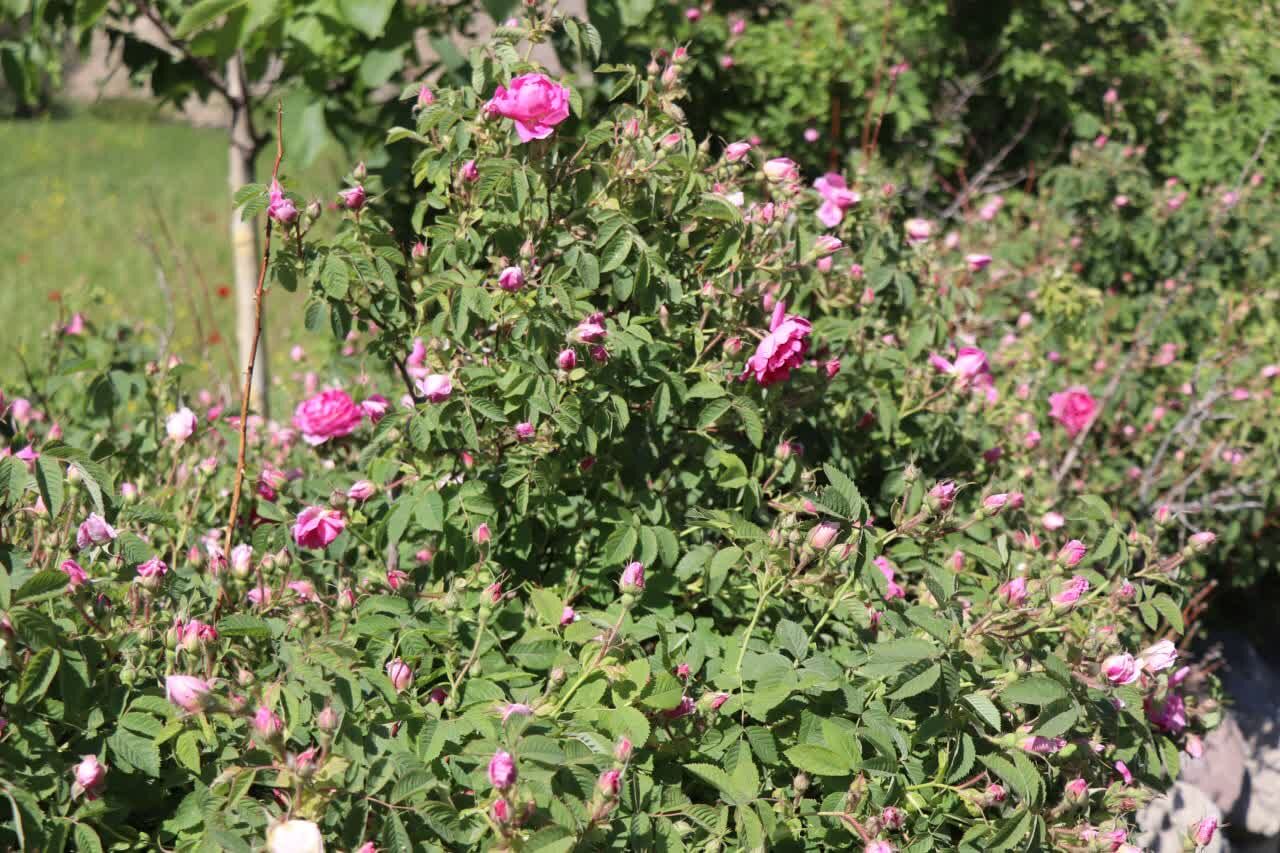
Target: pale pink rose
{"x":91,"y":778}
{"x":1043,"y":745}
{"x":591,"y":330}
{"x":568,"y":616}
{"x":826,"y":245}
{"x":482,"y":535}
{"x":1169,"y":715}
{"x":989,"y":210}
{"x":824,"y":535}
{"x":735,"y":151}
{"x":534,"y":102}
{"x":266,"y":723}
{"x":1072,"y":553}
{"x":781,"y":351}
{"x":425,"y":97}
{"x":1014,"y":592}
{"x":76,"y":326}
{"x":94,"y":530}
{"x":374,"y":407}
{"x":781,"y":169}
{"x":185,"y":691}
{"x":918,"y":230}
{"x":76,"y":576}
{"x":400,"y":674}
{"x":1075,"y":408}
{"x":362,"y":490}
{"x":180,"y":425}
{"x":610,"y":783}
{"x":977,"y":262}
{"x":892,"y":588}
{"x":1053,"y":520}
{"x":318,"y":526}
{"x":436,"y":387}
{"x":1076,"y":789}
{"x":1159,"y":657}
{"x":518,"y":709}
{"x":294,"y":836}
{"x":329,"y":414}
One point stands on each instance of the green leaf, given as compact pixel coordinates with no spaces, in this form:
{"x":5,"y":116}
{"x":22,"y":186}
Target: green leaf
{"x":244,"y":625}
{"x":204,"y":13}
{"x":985,"y":709}
{"x":1034,"y":690}
{"x":893,"y":656}
{"x":819,"y":760}
{"x":87,"y":840}
{"x":38,"y":674}
{"x":589,"y":271}
{"x":41,"y":583}
{"x":367,"y":16}
{"x":792,"y":638}
{"x":716,"y":778}
{"x":134,"y":751}
{"x":49,"y":481}
{"x":187,"y":751}
{"x":917,"y":683}
{"x":549,"y":605}
{"x":1170,"y":611}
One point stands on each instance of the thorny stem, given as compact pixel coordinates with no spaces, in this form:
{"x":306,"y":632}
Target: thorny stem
{"x":253,"y":347}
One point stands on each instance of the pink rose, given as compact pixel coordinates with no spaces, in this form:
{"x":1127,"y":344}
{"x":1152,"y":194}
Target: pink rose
{"x":918,"y":230}
{"x":280,"y":207}
{"x":94,"y":530}
{"x":781,"y":351}
{"x":1167,"y":716}
{"x":1204,"y":830}
{"x":568,"y":616}
{"x":735,"y":151}
{"x":374,"y":407}
{"x":353,"y":198}
{"x":436,"y":387}
{"x":632,"y":578}
{"x":781,"y":169}
{"x":502,"y":770}
{"x":361,"y":490}
{"x":185,"y":691}
{"x":317,"y":526}
{"x":1159,"y":657}
{"x":91,"y":777}
{"x":329,"y":414}
{"x":977,"y":262}
{"x":1075,"y":408}
{"x":1077,"y":789}
{"x":180,"y":425}
{"x":824,"y":535}
{"x":1014,"y":592}
{"x":1071,"y":592}
{"x":610,"y":783}
{"x":567,"y":359}
{"x":836,"y":198}
{"x":892,"y":588}
{"x":266,"y":723}
{"x":1072,"y":553}
{"x":400,"y":674}
{"x":76,"y":576}
{"x":1043,"y":745}
{"x":525,"y":431}
{"x":1121,"y":669}
{"x":511,"y":279}
{"x":534,"y":103}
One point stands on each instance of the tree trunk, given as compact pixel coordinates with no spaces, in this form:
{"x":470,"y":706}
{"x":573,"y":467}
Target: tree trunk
{"x":242,"y":151}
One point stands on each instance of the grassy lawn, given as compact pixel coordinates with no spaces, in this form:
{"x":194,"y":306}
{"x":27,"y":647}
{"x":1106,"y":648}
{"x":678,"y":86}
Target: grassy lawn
{"x":103,"y":198}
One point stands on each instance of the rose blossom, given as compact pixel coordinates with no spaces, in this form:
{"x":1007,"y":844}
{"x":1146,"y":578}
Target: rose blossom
{"x":180,"y":425}
{"x":632,"y":578}
{"x":76,"y":576}
{"x":1075,"y":408}
{"x":1072,"y":553}
{"x":525,"y":431}
{"x":400,"y":674}
{"x":1071,"y":592}
{"x":918,"y":230}
{"x":781,"y":351}
{"x":1043,"y":745}
{"x":1014,"y":592}
{"x":1204,"y":830}
{"x":977,"y":262}
{"x":94,"y":530}
{"x":294,"y":836}
{"x":185,"y":691}
{"x":436,"y":387}
{"x":361,"y":490}
{"x":1121,"y":669}
{"x":1167,"y":716}
{"x":91,"y":777}
{"x":280,"y":207}
{"x":1159,"y":657}
{"x":534,"y":102}
{"x":836,"y":198}
{"x":317,"y":526}
{"x":567,"y":359}
{"x":511,"y":279}
{"x":329,"y":414}
{"x":502,"y":770}
{"x":735,"y":151}
{"x":781,"y":169}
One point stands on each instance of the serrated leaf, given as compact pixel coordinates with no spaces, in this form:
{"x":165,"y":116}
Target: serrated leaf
{"x":48,"y":473}
{"x":793,"y":639}
{"x":818,"y":760}
{"x":186,"y":749}
{"x":917,"y":682}
{"x":38,"y":674}
{"x":1034,"y":690}
{"x":244,"y":625}
{"x":716,"y":778}
{"x":1170,"y":611}
{"x":41,"y":583}
{"x":893,"y":656}
{"x":985,"y":709}
{"x":135,"y":751}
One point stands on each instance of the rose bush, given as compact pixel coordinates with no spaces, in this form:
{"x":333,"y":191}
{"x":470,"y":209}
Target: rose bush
{"x":723,"y":528}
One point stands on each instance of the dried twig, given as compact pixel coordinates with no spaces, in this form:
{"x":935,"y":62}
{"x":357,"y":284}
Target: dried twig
{"x":253,"y":349}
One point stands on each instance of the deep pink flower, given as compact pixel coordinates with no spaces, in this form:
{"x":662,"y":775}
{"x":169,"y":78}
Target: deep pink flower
{"x":632,"y":578}
{"x":329,"y":414}
{"x":76,"y":576}
{"x":1121,"y":669}
{"x":1077,"y":789}
{"x":1072,"y":553}
{"x":353,"y":197}
{"x":610,"y":783}
{"x":1167,"y":716}
{"x":502,"y":770}
{"x":525,"y":431}
{"x":534,"y":102}
{"x":781,"y":351}
{"x":511,"y":278}
{"x":568,"y":616}
{"x":892,"y":588}
{"x":1204,"y":830}
{"x":374,"y":407}
{"x":280,"y":207}
{"x":1075,"y":408}
{"x":266,"y":723}
{"x":836,"y":198}
{"x":567,"y":359}
{"x":1043,"y":745}
{"x":1071,"y":592}
{"x":153,"y":568}
{"x":1014,"y":592}
{"x":317,"y":526}
{"x":361,"y":490}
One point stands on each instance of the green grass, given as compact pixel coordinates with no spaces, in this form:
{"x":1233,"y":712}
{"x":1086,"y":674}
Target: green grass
{"x":88,"y":192}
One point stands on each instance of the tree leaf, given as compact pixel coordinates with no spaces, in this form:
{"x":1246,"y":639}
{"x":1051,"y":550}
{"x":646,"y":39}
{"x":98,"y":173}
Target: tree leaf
{"x":204,"y":13}
{"x":818,"y":760}
{"x":38,"y":674}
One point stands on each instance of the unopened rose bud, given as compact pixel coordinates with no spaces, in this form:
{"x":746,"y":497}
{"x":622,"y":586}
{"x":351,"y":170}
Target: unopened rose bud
{"x":327,"y":719}
{"x":800,"y":783}
{"x":822,"y":536}
{"x":360,"y":172}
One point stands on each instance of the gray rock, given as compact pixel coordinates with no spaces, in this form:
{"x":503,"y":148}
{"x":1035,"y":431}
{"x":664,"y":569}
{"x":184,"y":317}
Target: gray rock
{"x":1165,"y":820}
